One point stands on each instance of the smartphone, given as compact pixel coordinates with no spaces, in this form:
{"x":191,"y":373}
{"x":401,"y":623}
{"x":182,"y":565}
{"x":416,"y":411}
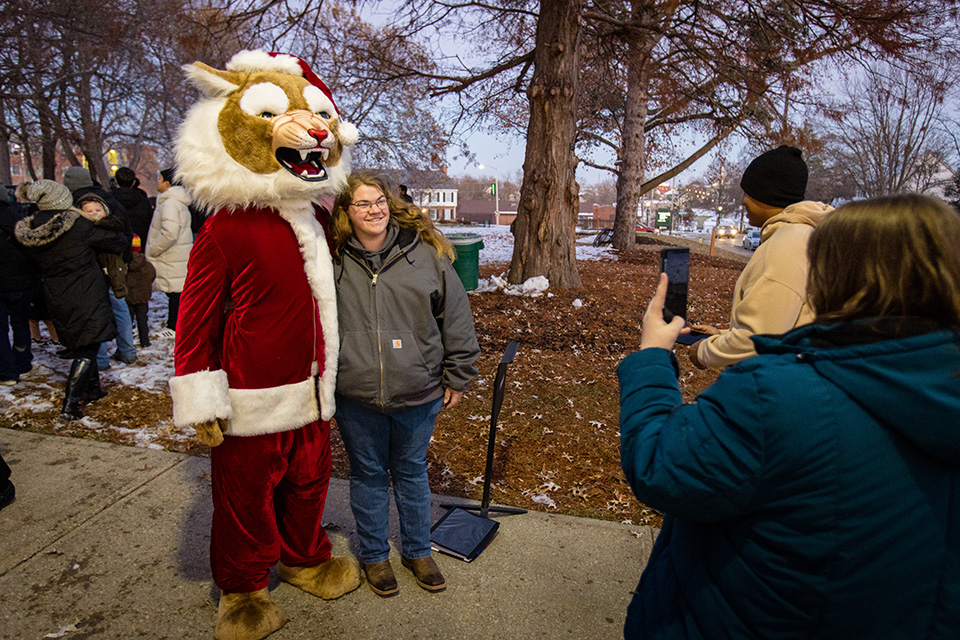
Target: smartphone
{"x":675,"y":262}
{"x":692,"y":338}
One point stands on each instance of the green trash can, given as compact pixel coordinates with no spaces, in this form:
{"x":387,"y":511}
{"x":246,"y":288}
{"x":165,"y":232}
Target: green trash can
{"x":467,"y":263}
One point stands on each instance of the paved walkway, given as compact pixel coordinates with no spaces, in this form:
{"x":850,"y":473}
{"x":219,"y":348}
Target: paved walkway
{"x":107,"y":541}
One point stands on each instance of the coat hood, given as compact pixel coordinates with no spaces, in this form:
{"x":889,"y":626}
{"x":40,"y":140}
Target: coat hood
{"x":807,"y":212}
{"x":902,"y":371}
{"x":41,"y":228}
{"x":177,"y":193}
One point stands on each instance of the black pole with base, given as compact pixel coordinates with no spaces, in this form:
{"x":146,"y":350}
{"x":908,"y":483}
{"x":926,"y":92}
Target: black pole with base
{"x":499,"y":385}
{"x":460,"y":533}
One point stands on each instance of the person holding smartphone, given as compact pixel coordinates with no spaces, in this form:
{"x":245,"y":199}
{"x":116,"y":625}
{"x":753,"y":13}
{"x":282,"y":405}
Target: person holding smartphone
{"x":770,"y":294}
{"x":822,"y":502}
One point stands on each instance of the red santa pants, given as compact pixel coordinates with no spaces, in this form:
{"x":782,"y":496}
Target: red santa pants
{"x":268,"y":497}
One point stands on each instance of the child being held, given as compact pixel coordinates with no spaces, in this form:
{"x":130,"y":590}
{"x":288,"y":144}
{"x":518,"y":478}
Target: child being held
{"x":95,"y":209}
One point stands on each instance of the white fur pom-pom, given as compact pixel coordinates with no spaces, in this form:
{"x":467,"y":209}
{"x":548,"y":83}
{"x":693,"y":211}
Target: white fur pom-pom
{"x":348,"y":133}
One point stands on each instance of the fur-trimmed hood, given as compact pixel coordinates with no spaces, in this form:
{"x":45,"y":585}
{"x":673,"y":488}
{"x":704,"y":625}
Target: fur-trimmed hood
{"x":32,"y":231}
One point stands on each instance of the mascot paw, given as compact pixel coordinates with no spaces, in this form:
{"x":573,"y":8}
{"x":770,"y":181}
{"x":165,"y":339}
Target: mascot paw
{"x":211,"y":433}
{"x":332,"y":579}
{"x":247,"y":616}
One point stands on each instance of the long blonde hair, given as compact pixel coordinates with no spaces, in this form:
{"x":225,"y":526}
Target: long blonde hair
{"x":890,"y":256}
{"x":406,"y":215}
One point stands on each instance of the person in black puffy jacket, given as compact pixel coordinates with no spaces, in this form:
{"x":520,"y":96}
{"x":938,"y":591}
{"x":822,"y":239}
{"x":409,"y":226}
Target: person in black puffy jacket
{"x":64,"y":244}
{"x":19,"y":278}
{"x":134,"y":199}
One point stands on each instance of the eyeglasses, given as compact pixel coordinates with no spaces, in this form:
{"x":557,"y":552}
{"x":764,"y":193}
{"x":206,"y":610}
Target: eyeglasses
{"x":367,"y":207}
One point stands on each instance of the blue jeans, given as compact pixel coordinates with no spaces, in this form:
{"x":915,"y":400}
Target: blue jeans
{"x":377,"y":443}
{"x":15,"y":312}
{"x":125,"y":348}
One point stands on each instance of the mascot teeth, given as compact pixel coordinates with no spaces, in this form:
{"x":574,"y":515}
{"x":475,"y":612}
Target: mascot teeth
{"x":306,"y":164}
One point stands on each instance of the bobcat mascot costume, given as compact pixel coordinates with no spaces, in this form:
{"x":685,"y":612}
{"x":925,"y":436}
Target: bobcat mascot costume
{"x":257,"y":340}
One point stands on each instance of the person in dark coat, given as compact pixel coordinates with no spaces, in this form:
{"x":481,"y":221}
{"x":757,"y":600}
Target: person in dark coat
{"x":19,"y":279}
{"x":134,"y":199}
{"x":811,"y":491}
{"x":140,"y":277}
{"x":64,"y":244}
{"x":78,"y":180}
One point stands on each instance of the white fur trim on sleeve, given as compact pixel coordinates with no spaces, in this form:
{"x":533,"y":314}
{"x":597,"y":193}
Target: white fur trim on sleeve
{"x":272,"y":410}
{"x":200,"y":397}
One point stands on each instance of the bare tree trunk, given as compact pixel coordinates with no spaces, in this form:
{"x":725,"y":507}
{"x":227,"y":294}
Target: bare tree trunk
{"x":634,"y":154}
{"x":545,"y":228}
{"x":48,"y":149}
{"x":5,"y":146}
{"x":630,"y":179}
{"x":92,"y":143}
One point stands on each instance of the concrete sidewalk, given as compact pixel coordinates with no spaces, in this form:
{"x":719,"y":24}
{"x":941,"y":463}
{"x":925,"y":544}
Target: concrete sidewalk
{"x":107,"y":541}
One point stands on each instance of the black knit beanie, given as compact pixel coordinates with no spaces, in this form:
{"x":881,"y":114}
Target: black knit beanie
{"x":778,"y":178}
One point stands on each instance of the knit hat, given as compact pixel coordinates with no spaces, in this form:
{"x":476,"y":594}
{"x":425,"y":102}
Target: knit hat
{"x":49,"y":195}
{"x":76,"y":178}
{"x":135,"y":244}
{"x":777,"y":178}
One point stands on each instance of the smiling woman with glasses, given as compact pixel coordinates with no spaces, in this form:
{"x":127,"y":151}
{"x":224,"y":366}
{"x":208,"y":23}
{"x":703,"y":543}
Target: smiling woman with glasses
{"x":407,"y":350}
{"x":366,"y":206}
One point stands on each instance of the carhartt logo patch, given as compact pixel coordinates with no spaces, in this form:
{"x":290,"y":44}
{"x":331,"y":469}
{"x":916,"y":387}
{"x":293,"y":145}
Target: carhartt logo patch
{"x":398,"y":344}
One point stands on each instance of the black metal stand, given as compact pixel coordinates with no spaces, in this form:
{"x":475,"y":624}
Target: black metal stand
{"x":499,"y":386}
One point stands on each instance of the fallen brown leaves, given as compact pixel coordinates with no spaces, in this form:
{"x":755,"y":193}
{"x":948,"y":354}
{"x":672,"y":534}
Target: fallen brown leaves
{"x":558,"y":434}
{"x":557,"y":444}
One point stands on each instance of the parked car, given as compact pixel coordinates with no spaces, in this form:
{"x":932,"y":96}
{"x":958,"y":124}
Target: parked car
{"x":726,"y":231}
{"x":642,"y":228}
{"x":752,"y":240}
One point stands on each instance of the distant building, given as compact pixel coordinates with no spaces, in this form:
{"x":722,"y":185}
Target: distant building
{"x":483,"y":211}
{"x":147,"y":169}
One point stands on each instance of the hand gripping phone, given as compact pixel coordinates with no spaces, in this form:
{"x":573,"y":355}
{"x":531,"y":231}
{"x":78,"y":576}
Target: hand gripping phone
{"x":675,"y":262}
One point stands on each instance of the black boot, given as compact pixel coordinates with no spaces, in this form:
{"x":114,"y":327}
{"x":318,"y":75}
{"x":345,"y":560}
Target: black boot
{"x":94,"y":390}
{"x":77,"y":383}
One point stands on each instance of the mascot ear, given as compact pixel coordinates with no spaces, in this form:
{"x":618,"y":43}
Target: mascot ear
{"x":212,"y":82}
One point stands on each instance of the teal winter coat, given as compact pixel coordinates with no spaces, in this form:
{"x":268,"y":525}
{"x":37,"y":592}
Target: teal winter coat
{"x":812,"y":492}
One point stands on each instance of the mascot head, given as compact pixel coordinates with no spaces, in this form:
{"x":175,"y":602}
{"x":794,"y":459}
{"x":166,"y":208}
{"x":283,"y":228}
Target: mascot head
{"x":266,"y":133}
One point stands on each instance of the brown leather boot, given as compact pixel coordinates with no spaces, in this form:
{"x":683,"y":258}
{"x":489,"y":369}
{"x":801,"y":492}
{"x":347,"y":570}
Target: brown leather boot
{"x":381,"y":579}
{"x":330,"y":580}
{"x":247,"y":616}
{"x":427,"y":573}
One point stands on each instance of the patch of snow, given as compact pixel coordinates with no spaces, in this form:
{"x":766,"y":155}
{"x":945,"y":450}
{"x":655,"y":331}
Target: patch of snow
{"x":541,"y":498}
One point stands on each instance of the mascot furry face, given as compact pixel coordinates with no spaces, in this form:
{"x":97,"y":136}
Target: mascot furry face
{"x":266,"y":133}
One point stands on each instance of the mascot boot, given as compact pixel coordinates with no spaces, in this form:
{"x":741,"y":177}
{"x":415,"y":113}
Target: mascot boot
{"x":337,"y":576}
{"x":247,"y":616}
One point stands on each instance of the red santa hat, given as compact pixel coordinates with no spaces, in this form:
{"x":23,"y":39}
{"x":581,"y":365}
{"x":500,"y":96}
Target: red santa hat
{"x":259,"y":60}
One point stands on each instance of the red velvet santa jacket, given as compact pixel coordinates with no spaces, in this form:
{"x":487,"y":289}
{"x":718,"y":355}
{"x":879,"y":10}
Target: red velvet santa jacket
{"x":257,"y":323}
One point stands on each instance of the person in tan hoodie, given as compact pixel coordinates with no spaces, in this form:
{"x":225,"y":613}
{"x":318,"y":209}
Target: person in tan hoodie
{"x":770,"y":294}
